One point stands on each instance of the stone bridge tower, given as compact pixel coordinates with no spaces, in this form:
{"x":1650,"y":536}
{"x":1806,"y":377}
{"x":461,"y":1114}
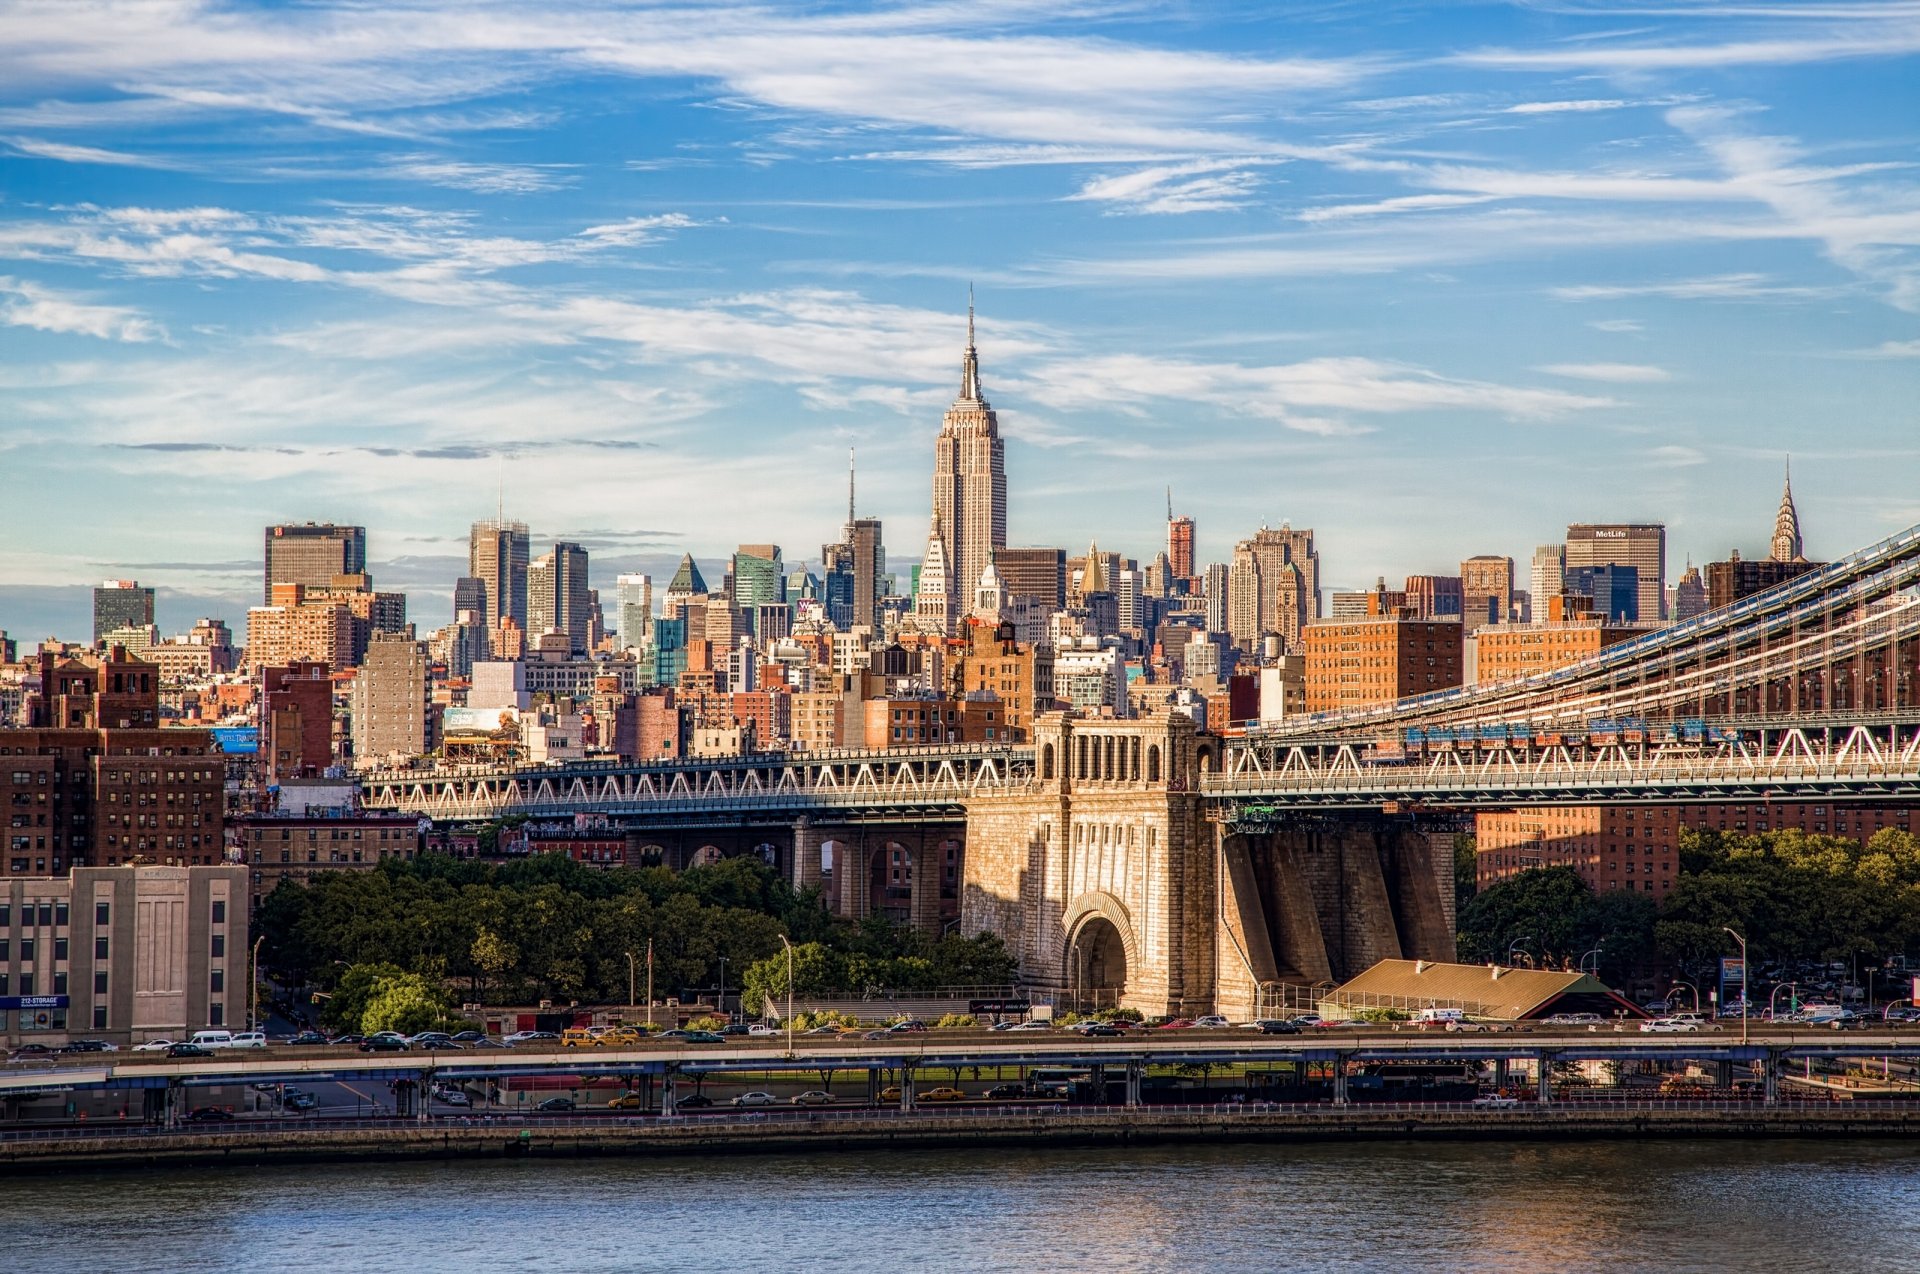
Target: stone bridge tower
{"x":1098,"y":875}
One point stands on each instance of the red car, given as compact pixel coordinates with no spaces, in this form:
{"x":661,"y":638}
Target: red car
{"x":1177,"y":1024}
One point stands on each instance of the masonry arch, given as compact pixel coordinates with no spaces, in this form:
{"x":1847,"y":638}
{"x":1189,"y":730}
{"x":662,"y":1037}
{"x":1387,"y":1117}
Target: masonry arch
{"x":1046,"y":761}
{"x":890,"y":881}
{"x":706,"y":856}
{"x":1101,"y":952}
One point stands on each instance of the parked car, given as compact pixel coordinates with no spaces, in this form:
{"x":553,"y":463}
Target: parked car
{"x":1495,"y":1101}
{"x":1212,"y":1022}
{"x":1668,"y":1026}
{"x":307,"y":1039}
{"x":297,"y":1099}
{"x":756,"y":1099}
{"x":814,"y":1097}
{"x":1006,"y":1092}
{"x":760,"y":1030}
{"x":556,"y":1103}
{"x":209,"y":1115}
{"x":188,"y":1049}
{"x":1275,"y":1026}
{"x":154,"y":1046}
{"x":531,"y":1037}
{"x":942,"y":1094}
{"x":248,"y":1039}
{"x":452,"y":1097}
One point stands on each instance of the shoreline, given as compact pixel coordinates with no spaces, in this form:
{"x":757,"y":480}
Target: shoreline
{"x":507,"y":1139}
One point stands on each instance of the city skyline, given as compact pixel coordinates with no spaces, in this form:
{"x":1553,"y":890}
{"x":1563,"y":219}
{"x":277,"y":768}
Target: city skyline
{"x":1363,"y":271}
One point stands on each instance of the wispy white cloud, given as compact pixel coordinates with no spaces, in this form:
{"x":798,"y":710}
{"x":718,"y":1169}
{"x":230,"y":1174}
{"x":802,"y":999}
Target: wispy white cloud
{"x":1891,"y":349}
{"x":1616,"y":325}
{"x":1676,"y":457}
{"x":68,"y":153}
{"x":1612,"y":373}
{"x":1201,"y":186}
{"x":637,"y":230}
{"x":482,"y":178}
{"x":1718,"y":287}
{"x":1401,"y":203}
{"x":26,"y":304}
{"x":1580,"y":105}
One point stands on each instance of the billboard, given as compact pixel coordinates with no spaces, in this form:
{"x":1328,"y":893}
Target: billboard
{"x":1733,"y":980}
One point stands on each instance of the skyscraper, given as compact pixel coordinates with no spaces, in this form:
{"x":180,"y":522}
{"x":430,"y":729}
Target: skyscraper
{"x":633,"y":608}
{"x":1641,"y":545}
{"x":497,"y":557}
{"x":933,"y":598}
{"x":312,"y":555}
{"x":1284,"y":600}
{"x":1486,"y":590}
{"x":120,"y":603}
{"x":557,"y":595}
{"x":759,"y":578}
{"x":1548,"y":575}
{"x":969,"y":476}
{"x":1179,"y":542}
{"x":1786,"y":526}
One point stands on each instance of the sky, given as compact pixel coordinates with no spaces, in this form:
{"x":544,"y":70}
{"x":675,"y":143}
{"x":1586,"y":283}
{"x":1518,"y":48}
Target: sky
{"x":1432,"y":279}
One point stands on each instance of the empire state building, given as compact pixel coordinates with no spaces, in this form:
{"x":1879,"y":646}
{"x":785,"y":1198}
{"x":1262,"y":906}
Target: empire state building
{"x":970,"y":477}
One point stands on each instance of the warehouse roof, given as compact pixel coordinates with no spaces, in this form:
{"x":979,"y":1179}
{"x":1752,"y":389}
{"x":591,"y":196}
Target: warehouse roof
{"x":1482,"y":990}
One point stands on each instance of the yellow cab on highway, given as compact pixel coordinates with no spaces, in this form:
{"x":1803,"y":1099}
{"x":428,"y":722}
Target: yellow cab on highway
{"x":942,"y":1094}
{"x":628,"y":1100}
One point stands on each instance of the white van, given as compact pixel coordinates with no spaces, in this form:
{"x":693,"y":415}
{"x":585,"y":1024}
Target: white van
{"x":249,"y":1039}
{"x":1439,"y":1017}
{"x":213,"y":1039}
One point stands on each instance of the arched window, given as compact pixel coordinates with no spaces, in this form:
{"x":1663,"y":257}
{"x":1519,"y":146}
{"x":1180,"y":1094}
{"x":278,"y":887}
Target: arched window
{"x":1153,"y":764}
{"x":1046,"y":761}
{"x":1133,"y":752}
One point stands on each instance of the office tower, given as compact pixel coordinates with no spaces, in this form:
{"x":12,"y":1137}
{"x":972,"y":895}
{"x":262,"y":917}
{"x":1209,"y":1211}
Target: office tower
{"x":687,"y":583}
{"x":497,"y":557}
{"x":312,"y":555}
{"x":470,"y":593}
{"x":1039,"y":573}
{"x":1486,"y":590}
{"x":1641,"y":545}
{"x":1243,"y":597}
{"x":853,"y":578}
{"x":1279,"y":578}
{"x":633,"y":609}
{"x":1689,"y":595}
{"x":933,"y":591}
{"x":759,"y":578}
{"x":969,"y":475}
{"x":120,"y":603}
{"x":1548,"y":575}
{"x":557,"y":595}
{"x":1616,"y":591}
{"x":1179,"y":542}
{"x":1433,"y":596}
{"x":393,"y":711}
{"x":1217,"y":592}
{"x":1786,"y":526}
{"x":669,"y":651}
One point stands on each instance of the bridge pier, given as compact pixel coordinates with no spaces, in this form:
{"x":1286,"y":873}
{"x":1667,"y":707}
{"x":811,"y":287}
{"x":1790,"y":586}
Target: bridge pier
{"x":669,"y":1090}
{"x":1340,"y":1081}
{"x":1544,"y":1081}
{"x":1770,"y":1077}
{"x":1134,"y":1071}
{"x":906,"y":1089}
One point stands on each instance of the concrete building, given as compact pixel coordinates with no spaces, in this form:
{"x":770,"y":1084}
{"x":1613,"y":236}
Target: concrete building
{"x":120,"y":603}
{"x":393,"y":711}
{"x":312,"y":555}
{"x":1274,"y":586}
{"x":292,"y":629}
{"x":1486,"y":591}
{"x":1546,"y":573}
{"x":123,"y":954}
{"x":497,"y":555}
{"x":558,"y":599}
{"x":1519,"y":650}
{"x":969,"y":475}
{"x":1641,"y":545}
{"x":633,"y":609}
{"x":302,"y":847}
{"x":1355,"y":663}
{"x":1689,"y":595}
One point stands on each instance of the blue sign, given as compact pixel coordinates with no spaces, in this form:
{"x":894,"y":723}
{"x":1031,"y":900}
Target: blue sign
{"x":236,"y":740}
{"x":1733,"y":979}
{"x":33,"y":1001}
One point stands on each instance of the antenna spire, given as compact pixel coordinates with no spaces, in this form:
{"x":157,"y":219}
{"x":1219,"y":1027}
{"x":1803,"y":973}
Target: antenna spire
{"x":849,"y":492}
{"x":970,"y":362}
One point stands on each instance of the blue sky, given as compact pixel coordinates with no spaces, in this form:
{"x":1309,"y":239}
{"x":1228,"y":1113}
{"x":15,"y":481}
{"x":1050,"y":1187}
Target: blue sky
{"x":1432,"y":279}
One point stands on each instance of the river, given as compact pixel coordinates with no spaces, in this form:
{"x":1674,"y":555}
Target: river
{"x":1530,"y":1206}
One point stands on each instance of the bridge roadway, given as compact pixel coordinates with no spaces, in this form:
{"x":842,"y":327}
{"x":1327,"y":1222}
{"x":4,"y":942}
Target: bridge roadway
{"x":936,"y":1052}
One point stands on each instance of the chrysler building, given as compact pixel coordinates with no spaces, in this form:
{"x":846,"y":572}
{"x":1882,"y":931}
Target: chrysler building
{"x":969,"y":477}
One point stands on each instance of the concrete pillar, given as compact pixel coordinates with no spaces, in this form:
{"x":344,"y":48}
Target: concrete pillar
{"x":1546,"y":1078}
{"x":1723,"y":1074}
{"x":1499,"y":1072}
{"x":806,"y":854}
{"x":1340,"y":1081}
{"x":1097,"y":1080}
{"x":1770,"y":1076}
{"x":669,"y":1091}
{"x":924,"y":902}
{"x":1134,"y":1070}
{"x":873,"y":1085}
{"x":906,"y":1088}
{"x":425,"y":1094}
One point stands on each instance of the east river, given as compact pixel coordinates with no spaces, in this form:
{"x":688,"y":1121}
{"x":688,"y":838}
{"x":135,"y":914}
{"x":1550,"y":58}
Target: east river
{"x":1614,"y":1206}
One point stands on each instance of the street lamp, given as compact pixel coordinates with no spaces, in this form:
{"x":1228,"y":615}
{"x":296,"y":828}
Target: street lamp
{"x":1791,"y":988}
{"x":723,"y":990}
{"x":649,"y":984}
{"x":1515,"y":946}
{"x":1696,"y":995}
{"x":630,"y":981}
{"x":1595,"y":953}
{"x":789,"y":947}
{"x":1743,"y":981}
{"x":253,"y":1014}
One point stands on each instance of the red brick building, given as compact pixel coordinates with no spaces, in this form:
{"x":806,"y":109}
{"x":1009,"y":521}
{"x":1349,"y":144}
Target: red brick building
{"x":1356,"y":662}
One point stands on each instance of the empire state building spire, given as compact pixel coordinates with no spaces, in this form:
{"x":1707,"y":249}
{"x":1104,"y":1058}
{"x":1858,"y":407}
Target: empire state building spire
{"x":1786,"y":525}
{"x":969,"y":474}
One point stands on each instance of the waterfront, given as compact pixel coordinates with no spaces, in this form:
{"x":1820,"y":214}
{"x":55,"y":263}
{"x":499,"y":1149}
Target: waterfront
{"x":1657,"y":1205}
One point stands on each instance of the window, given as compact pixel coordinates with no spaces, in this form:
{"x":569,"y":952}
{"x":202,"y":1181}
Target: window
{"x":219,"y":911}
{"x":59,"y":949}
{"x":60,"y":914}
{"x":99,"y":1017}
{"x":26,"y":984}
{"x":217,"y":1013}
{"x":101,"y":914}
{"x":6,"y":915}
{"x":26,"y":950}
{"x":99,"y":984}
{"x":99,"y":948}
{"x":219,"y":980}
{"x":46,"y":915}
{"x":60,"y":983}
{"x":219,"y":945}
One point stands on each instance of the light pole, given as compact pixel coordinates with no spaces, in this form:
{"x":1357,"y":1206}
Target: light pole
{"x":649,"y":984}
{"x":1595,"y":953}
{"x":1743,"y":981}
{"x":723,"y":990}
{"x":1792,"y":998}
{"x":630,"y":982}
{"x":789,"y":947}
{"x":253,"y":1013}
{"x":1515,"y":946}
{"x":1696,"y":995}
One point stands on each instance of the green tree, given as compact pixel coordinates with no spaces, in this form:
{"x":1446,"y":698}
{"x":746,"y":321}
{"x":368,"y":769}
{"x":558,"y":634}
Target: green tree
{"x":406,"y":1003}
{"x":1548,"y":907}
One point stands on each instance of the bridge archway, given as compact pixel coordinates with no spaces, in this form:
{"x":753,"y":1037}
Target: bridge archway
{"x":706,"y":856}
{"x":1100,"y":951}
{"x":890,"y":881}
